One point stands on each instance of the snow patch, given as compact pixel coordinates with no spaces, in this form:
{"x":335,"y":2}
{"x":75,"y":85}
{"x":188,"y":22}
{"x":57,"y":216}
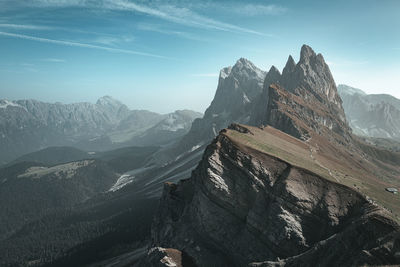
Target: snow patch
{"x":171,"y":124}
{"x":6,"y":103}
{"x":127,"y":178}
{"x":121,"y":182}
{"x":225,"y":72}
{"x":245,"y":98}
{"x":214,"y":131}
{"x":195,"y":147}
{"x":173,"y":128}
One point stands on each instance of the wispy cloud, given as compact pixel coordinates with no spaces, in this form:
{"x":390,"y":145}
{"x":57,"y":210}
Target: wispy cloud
{"x":29,"y":67}
{"x":168,"y":12}
{"x":113,"y":40}
{"x":258,"y":10}
{"x":54,"y":60}
{"x":24,"y":26}
{"x":179,"y":15}
{"x":27,"y":64}
{"x":160,"y":29}
{"x":78,"y":44}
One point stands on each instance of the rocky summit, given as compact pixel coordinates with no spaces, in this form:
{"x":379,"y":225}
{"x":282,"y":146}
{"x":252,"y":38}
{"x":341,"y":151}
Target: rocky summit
{"x":296,"y":189}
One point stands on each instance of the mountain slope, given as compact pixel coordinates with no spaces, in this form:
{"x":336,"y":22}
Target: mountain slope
{"x":29,"y":125}
{"x":238,"y":88}
{"x":290,"y":197}
{"x":30,"y":192}
{"x":371,"y":115}
{"x":297,"y":194}
{"x":53,"y":156}
{"x":254,"y":197}
{"x":67,"y":210}
{"x":171,"y":128}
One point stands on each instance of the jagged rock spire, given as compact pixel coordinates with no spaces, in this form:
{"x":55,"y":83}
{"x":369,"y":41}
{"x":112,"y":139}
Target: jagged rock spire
{"x":290,"y":65}
{"x":273,"y":76}
{"x":306,"y":53}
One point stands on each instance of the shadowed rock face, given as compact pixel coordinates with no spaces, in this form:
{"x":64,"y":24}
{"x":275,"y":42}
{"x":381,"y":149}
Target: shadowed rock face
{"x":238,"y":89}
{"x":302,"y":99}
{"x":313,"y":74}
{"x":242,"y":206}
{"x":242,"y":96}
{"x":248,"y":203}
{"x":299,"y":114}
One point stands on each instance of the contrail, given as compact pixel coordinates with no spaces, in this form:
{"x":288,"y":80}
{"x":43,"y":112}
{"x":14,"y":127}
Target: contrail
{"x":77,"y":44}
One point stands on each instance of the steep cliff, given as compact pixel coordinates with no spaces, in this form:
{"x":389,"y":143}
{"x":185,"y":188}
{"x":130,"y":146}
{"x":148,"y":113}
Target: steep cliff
{"x":260,"y":195}
{"x":238,"y":88}
{"x":302,"y":99}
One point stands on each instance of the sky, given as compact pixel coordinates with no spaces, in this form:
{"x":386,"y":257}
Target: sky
{"x":166,"y":55}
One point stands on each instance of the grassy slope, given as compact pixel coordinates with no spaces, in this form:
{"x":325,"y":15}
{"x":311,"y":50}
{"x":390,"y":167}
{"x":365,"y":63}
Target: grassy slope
{"x":337,"y":165}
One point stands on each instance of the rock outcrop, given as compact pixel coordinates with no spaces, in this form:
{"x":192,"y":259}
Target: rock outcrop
{"x":245,"y":205}
{"x":303,"y":99}
{"x":297,"y":190}
{"x":238,"y":89}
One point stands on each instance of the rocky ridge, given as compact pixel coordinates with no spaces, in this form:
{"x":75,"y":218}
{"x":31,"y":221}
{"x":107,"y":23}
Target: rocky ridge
{"x":288,"y":195}
{"x":303,"y":97}
{"x":247,"y":203}
{"x":238,"y":88}
{"x":29,"y":125}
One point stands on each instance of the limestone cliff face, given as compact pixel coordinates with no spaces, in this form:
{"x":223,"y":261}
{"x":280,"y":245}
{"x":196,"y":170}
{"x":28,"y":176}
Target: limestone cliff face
{"x":302,"y":99}
{"x":242,"y":96}
{"x":313,"y":74}
{"x":299,"y":114}
{"x":293,"y":193}
{"x":243,"y":206}
{"x":238,"y":89}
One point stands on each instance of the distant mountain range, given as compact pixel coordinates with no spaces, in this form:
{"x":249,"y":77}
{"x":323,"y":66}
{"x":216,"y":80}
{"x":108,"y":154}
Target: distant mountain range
{"x":29,"y":125}
{"x":272,"y":175}
{"x":375,"y":115}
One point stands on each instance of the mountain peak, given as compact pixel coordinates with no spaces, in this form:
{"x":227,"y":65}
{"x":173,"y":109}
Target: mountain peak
{"x":290,"y":65}
{"x":345,"y":89}
{"x":244,"y":63}
{"x":108,"y":100}
{"x":244,"y":68}
{"x":306,"y":53}
{"x":273,"y":76}
{"x":273,"y":69}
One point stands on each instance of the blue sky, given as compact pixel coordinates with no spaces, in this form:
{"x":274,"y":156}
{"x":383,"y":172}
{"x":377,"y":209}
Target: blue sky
{"x":166,"y":55}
